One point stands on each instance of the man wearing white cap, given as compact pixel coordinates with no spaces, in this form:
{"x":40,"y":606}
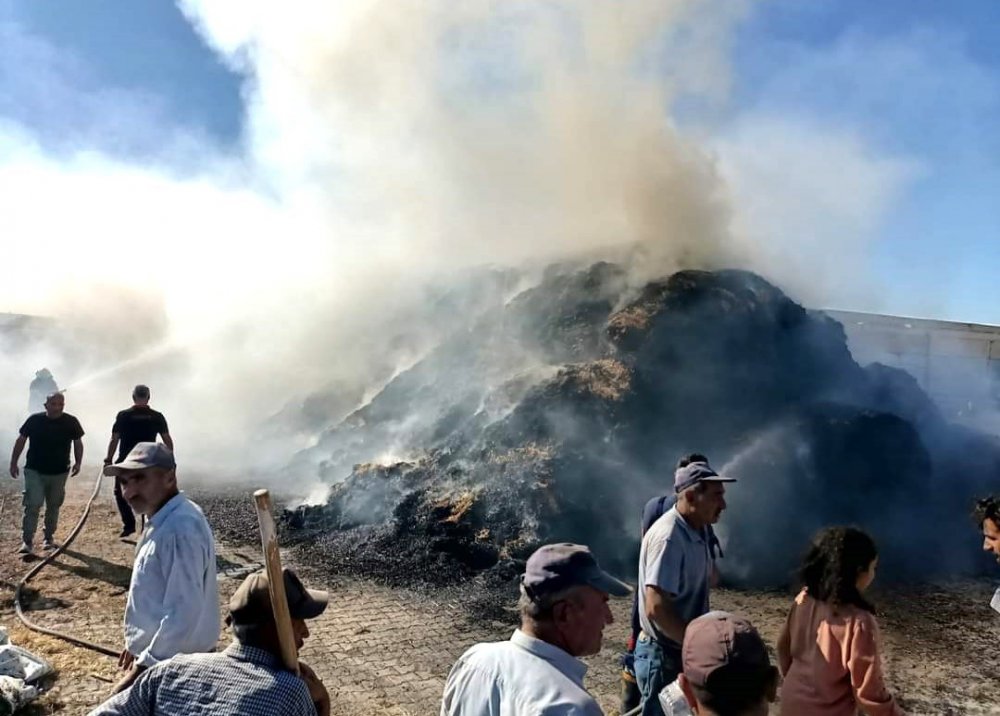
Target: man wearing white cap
{"x":173,"y":599}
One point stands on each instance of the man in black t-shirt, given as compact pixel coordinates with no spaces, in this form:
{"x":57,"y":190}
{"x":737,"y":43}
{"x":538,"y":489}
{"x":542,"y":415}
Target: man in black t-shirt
{"x":49,"y":436}
{"x":138,"y":424}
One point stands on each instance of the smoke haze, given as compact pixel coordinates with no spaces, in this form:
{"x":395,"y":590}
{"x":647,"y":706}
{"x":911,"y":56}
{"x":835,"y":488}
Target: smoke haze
{"x":392,"y":150}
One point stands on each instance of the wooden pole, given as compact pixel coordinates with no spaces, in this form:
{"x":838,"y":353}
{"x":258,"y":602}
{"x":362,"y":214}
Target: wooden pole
{"x":276,"y":580}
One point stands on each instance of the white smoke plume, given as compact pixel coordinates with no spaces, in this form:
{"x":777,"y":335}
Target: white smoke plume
{"x":391,"y":145}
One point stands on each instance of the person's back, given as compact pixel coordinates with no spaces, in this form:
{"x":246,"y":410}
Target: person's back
{"x":138,"y":424}
{"x":831,"y":650}
{"x":829,"y":647}
{"x":241,"y":681}
{"x":520,"y":676}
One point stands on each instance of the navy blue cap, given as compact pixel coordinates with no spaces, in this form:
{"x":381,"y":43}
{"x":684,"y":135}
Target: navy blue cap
{"x":556,"y":567}
{"x":694,"y":473}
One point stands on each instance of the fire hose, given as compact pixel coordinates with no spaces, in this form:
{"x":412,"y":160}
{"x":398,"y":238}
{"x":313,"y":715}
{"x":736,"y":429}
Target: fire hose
{"x":38,"y":568}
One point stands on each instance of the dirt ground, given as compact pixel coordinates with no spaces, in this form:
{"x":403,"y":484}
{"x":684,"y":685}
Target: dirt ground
{"x":388,"y":651}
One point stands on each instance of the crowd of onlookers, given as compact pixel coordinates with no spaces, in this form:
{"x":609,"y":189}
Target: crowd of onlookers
{"x":681,"y":658}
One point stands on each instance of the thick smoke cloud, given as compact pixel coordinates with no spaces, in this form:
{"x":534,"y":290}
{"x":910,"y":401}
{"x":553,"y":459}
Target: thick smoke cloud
{"x":391,"y":148}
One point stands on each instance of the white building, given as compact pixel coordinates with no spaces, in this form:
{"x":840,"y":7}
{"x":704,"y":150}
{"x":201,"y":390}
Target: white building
{"x":958,"y":364}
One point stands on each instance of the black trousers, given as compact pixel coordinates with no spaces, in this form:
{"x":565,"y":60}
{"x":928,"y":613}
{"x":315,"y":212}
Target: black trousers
{"x":128,"y":518}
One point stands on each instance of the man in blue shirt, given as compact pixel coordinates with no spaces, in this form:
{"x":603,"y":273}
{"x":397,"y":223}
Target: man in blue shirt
{"x":173,"y":597}
{"x":676,"y":571}
{"x":653,"y":510}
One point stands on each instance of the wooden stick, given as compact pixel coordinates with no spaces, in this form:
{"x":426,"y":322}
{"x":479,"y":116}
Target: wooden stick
{"x":276,"y":580}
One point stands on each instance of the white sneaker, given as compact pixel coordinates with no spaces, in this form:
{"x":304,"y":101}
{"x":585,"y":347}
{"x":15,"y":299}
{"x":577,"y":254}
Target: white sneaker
{"x":49,"y":545}
{"x":25,"y":548}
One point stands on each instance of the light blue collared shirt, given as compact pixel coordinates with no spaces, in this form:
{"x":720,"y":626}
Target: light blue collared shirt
{"x":675,"y":558}
{"x":521,"y":677}
{"x":173,"y":599}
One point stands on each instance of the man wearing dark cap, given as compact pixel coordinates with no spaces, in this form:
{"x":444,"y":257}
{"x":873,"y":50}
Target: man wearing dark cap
{"x":653,"y":510}
{"x":173,"y":598}
{"x":138,"y":424}
{"x":676,"y":571}
{"x":727,"y":671}
{"x":564,"y":609}
{"x":248,"y":678}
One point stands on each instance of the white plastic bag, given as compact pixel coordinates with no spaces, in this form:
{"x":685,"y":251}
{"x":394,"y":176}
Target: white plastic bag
{"x":14,"y":694}
{"x":672,"y":701}
{"x":22,"y":664}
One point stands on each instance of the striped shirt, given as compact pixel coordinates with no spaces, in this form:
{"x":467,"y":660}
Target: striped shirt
{"x":241,"y":681}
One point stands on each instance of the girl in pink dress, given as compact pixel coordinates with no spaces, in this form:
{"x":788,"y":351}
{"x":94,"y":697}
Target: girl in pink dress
{"x":828,"y":651}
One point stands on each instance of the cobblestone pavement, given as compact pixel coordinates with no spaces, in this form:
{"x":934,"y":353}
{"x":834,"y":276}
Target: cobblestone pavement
{"x":378,"y":650}
{"x":388,"y":651}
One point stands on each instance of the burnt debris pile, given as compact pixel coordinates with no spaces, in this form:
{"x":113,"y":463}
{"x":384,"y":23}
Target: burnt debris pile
{"x":557,"y":414}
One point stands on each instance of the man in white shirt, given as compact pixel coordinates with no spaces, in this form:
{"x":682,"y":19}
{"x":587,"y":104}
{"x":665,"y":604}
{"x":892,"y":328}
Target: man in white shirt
{"x":173,"y":599}
{"x":564,"y":609}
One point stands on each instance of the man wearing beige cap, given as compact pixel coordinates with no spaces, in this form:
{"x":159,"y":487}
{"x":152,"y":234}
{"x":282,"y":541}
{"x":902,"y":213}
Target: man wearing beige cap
{"x":173,"y":597}
{"x":564,"y":609}
{"x":248,"y":678}
{"x":727,"y":671}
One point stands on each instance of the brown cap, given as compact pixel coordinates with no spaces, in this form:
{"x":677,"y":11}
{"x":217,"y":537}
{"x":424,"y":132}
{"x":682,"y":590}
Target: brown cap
{"x":251,"y":603}
{"x":720,"y":639}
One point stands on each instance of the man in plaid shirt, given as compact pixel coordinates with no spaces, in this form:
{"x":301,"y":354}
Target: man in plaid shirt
{"x":248,"y":678}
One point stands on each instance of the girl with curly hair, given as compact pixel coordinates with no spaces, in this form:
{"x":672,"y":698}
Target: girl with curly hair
{"x":828,"y":650}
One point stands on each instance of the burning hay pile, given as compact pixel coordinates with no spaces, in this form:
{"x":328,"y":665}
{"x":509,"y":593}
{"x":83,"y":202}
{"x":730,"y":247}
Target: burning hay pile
{"x":557,"y":415}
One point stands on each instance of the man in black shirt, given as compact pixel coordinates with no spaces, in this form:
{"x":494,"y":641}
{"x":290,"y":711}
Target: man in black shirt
{"x":138,"y":424}
{"x":49,"y":436}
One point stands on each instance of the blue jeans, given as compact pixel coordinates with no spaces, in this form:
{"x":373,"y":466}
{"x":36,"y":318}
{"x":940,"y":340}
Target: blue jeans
{"x":656,"y":667}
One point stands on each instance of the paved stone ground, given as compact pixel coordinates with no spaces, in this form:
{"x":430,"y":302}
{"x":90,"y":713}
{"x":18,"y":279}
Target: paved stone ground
{"x":378,"y":650}
{"x":388,"y":651}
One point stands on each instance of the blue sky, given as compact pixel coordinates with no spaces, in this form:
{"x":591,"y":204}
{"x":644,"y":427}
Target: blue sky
{"x":917,"y":81}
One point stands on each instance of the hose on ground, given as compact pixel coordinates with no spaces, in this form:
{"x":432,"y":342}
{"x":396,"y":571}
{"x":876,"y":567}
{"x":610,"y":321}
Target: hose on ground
{"x":38,"y":568}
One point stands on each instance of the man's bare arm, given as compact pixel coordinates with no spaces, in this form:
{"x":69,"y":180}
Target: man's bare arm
{"x":77,"y":456}
{"x":112,"y":446}
{"x":660,"y":610}
{"x":168,"y":441}
{"x":16,"y":455}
